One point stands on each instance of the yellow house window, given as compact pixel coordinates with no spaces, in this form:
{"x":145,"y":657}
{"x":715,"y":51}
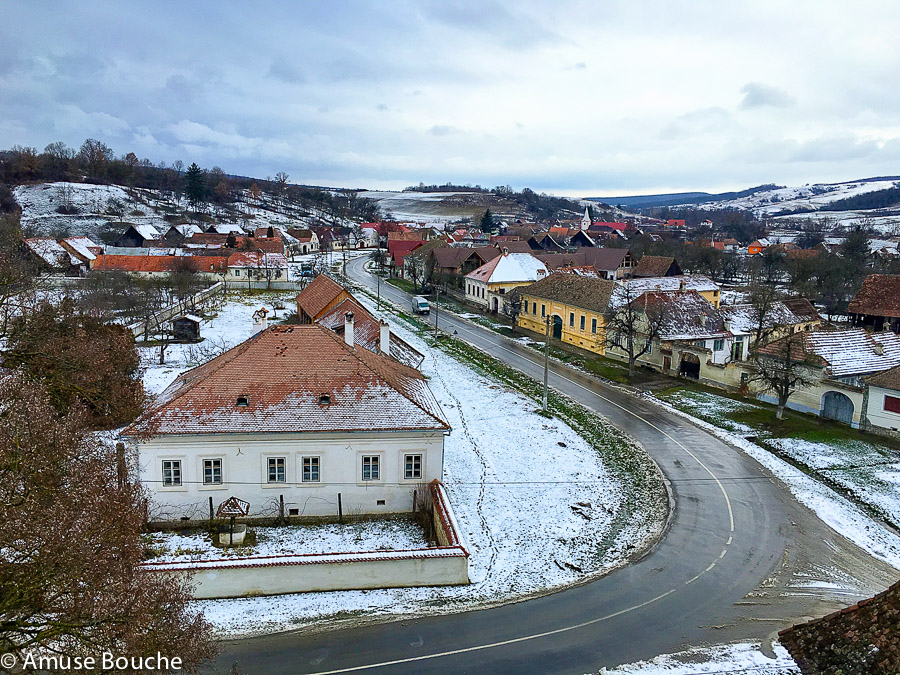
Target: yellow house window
{"x":593,"y":325}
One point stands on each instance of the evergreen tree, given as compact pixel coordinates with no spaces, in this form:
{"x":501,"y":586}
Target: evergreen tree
{"x":487,"y":221}
{"x":194,"y":184}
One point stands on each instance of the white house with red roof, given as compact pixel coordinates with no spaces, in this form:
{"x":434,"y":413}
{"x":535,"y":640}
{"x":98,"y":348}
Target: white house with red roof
{"x":489,"y":284}
{"x":257,"y":266}
{"x":297,"y":413}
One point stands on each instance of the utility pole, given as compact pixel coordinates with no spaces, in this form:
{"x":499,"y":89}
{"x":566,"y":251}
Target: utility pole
{"x":437,"y":294}
{"x":546,"y":361}
{"x":378,"y":281}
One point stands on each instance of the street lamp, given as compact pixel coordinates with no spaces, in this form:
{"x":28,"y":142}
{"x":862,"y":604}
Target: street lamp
{"x":437,"y":294}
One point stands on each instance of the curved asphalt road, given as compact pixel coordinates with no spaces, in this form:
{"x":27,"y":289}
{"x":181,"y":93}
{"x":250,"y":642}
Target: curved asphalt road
{"x":731,"y":529}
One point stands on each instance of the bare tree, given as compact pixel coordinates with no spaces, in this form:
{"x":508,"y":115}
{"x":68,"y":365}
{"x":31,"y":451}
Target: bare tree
{"x":764,"y":301}
{"x":634,"y":321}
{"x":782,"y":367}
{"x":71,"y":580}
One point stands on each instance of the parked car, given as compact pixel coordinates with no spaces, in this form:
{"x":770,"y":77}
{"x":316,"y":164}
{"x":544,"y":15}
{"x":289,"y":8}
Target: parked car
{"x":420,"y":305}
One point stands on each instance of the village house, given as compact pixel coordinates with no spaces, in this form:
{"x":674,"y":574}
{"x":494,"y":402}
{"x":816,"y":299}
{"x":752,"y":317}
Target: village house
{"x":881,"y":404}
{"x":613,"y":263}
{"x":176,"y":234}
{"x":253,"y":266}
{"x":138,"y":236}
{"x":656,"y":266}
{"x":307,"y":240}
{"x":699,"y":283}
{"x":321,"y":296}
{"x":207,"y":266}
{"x":840,"y":363}
{"x":488,"y":285}
{"x":782,"y":318}
{"x":691,"y":334}
{"x":575,"y":306}
{"x":83,"y":248}
{"x":50,"y":256}
{"x":295,"y":413}
{"x":876,"y":306}
{"x":758,"y":246}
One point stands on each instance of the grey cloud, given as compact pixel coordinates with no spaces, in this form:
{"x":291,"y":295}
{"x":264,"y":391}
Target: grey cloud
{"x":444,"y":130}
{"x":703,"y":121}
{"x":284,"y":71}
{"x":759,"y":95}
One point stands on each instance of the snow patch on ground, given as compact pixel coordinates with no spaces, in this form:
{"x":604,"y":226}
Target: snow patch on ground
{"x":734,"y":658}
{"x":838,"y":513}
{"x":394,"y":534}
{"x":532,"y":498}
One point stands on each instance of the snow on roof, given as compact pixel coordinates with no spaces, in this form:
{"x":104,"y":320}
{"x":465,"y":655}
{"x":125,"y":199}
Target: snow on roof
{"x":83,"y":246}
{"x":51,"y":252}
{"x":228,"y":228}
{"x":743,"y":318}
{"x":146,"y":231}
{"x":188,"y":229}
{"x":257,"y":259}
{"x":509,"y":268}
{"x":684,"y":316}
{"x":692,"y":282}
{"x":280,"y":376}
{"x":848,"y":352}
{"x":367,"y":332}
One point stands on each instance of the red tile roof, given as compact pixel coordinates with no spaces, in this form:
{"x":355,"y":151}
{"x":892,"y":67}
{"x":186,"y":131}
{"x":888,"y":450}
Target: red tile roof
{"x":879,"y":296}
{"x":320,"y":293}
{"x":367,"y":332}
{"x":282,"y":372}
{"x":159,"y":263}
{"x":257,"y":259}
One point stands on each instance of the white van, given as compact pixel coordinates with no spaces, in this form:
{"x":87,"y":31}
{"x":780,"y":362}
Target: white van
{"x":420,"y":305}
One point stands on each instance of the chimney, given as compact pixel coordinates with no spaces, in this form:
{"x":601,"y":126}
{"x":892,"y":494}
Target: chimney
{"x":681,"y":285}
{"x":348,"y":328}
{"x":702,"y":318}
{"x":505,"y":251}
{"x":384,"y":343}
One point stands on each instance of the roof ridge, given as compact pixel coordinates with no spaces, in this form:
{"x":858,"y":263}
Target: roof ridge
{"x":395,"y":364}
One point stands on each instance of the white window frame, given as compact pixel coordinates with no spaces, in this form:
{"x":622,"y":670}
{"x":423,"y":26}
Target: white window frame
{"x":267,"y":460}
{"x":302,"y":467}
{"x":181,"y":486}
{"x":403,"y":458}
{"x":201,"y":484}
{"x":361,"y":463}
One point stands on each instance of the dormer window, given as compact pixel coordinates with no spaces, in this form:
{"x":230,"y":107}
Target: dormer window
{"x":243,"y":401}
{"x":324,"y":399}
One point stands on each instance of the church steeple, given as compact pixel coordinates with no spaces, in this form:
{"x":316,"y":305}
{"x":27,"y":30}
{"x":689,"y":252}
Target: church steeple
{"x":586,"y":220}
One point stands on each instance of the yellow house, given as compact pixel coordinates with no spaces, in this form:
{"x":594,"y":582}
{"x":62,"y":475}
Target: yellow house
{"x":575,"y":306}
{"x":703,"y":285}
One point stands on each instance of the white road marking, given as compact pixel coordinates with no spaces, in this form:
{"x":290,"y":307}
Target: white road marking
{"x":583,"y":624}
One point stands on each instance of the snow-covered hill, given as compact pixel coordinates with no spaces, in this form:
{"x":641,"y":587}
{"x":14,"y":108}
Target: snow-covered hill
{"x":57,"y":209}
{"x":805,"y":198}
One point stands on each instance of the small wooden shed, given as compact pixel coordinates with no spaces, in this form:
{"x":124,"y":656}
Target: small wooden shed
{"x":186,"y":328}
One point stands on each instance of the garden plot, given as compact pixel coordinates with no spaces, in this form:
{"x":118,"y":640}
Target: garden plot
{"x":229,"y":322}
{"x":536,"y":506}
{"x":391,"y":534}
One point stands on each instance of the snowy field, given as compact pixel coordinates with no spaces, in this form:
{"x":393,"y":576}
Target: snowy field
{"x":817,"y":196}
{"x":744,"y":657}
{"x":394,"y":534}
{"x":840,"y":514}
{"x":142,"y":206}
{"x":510,"y":476}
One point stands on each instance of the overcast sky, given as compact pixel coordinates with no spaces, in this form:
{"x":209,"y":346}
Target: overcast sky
{"x":583,"y":99}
